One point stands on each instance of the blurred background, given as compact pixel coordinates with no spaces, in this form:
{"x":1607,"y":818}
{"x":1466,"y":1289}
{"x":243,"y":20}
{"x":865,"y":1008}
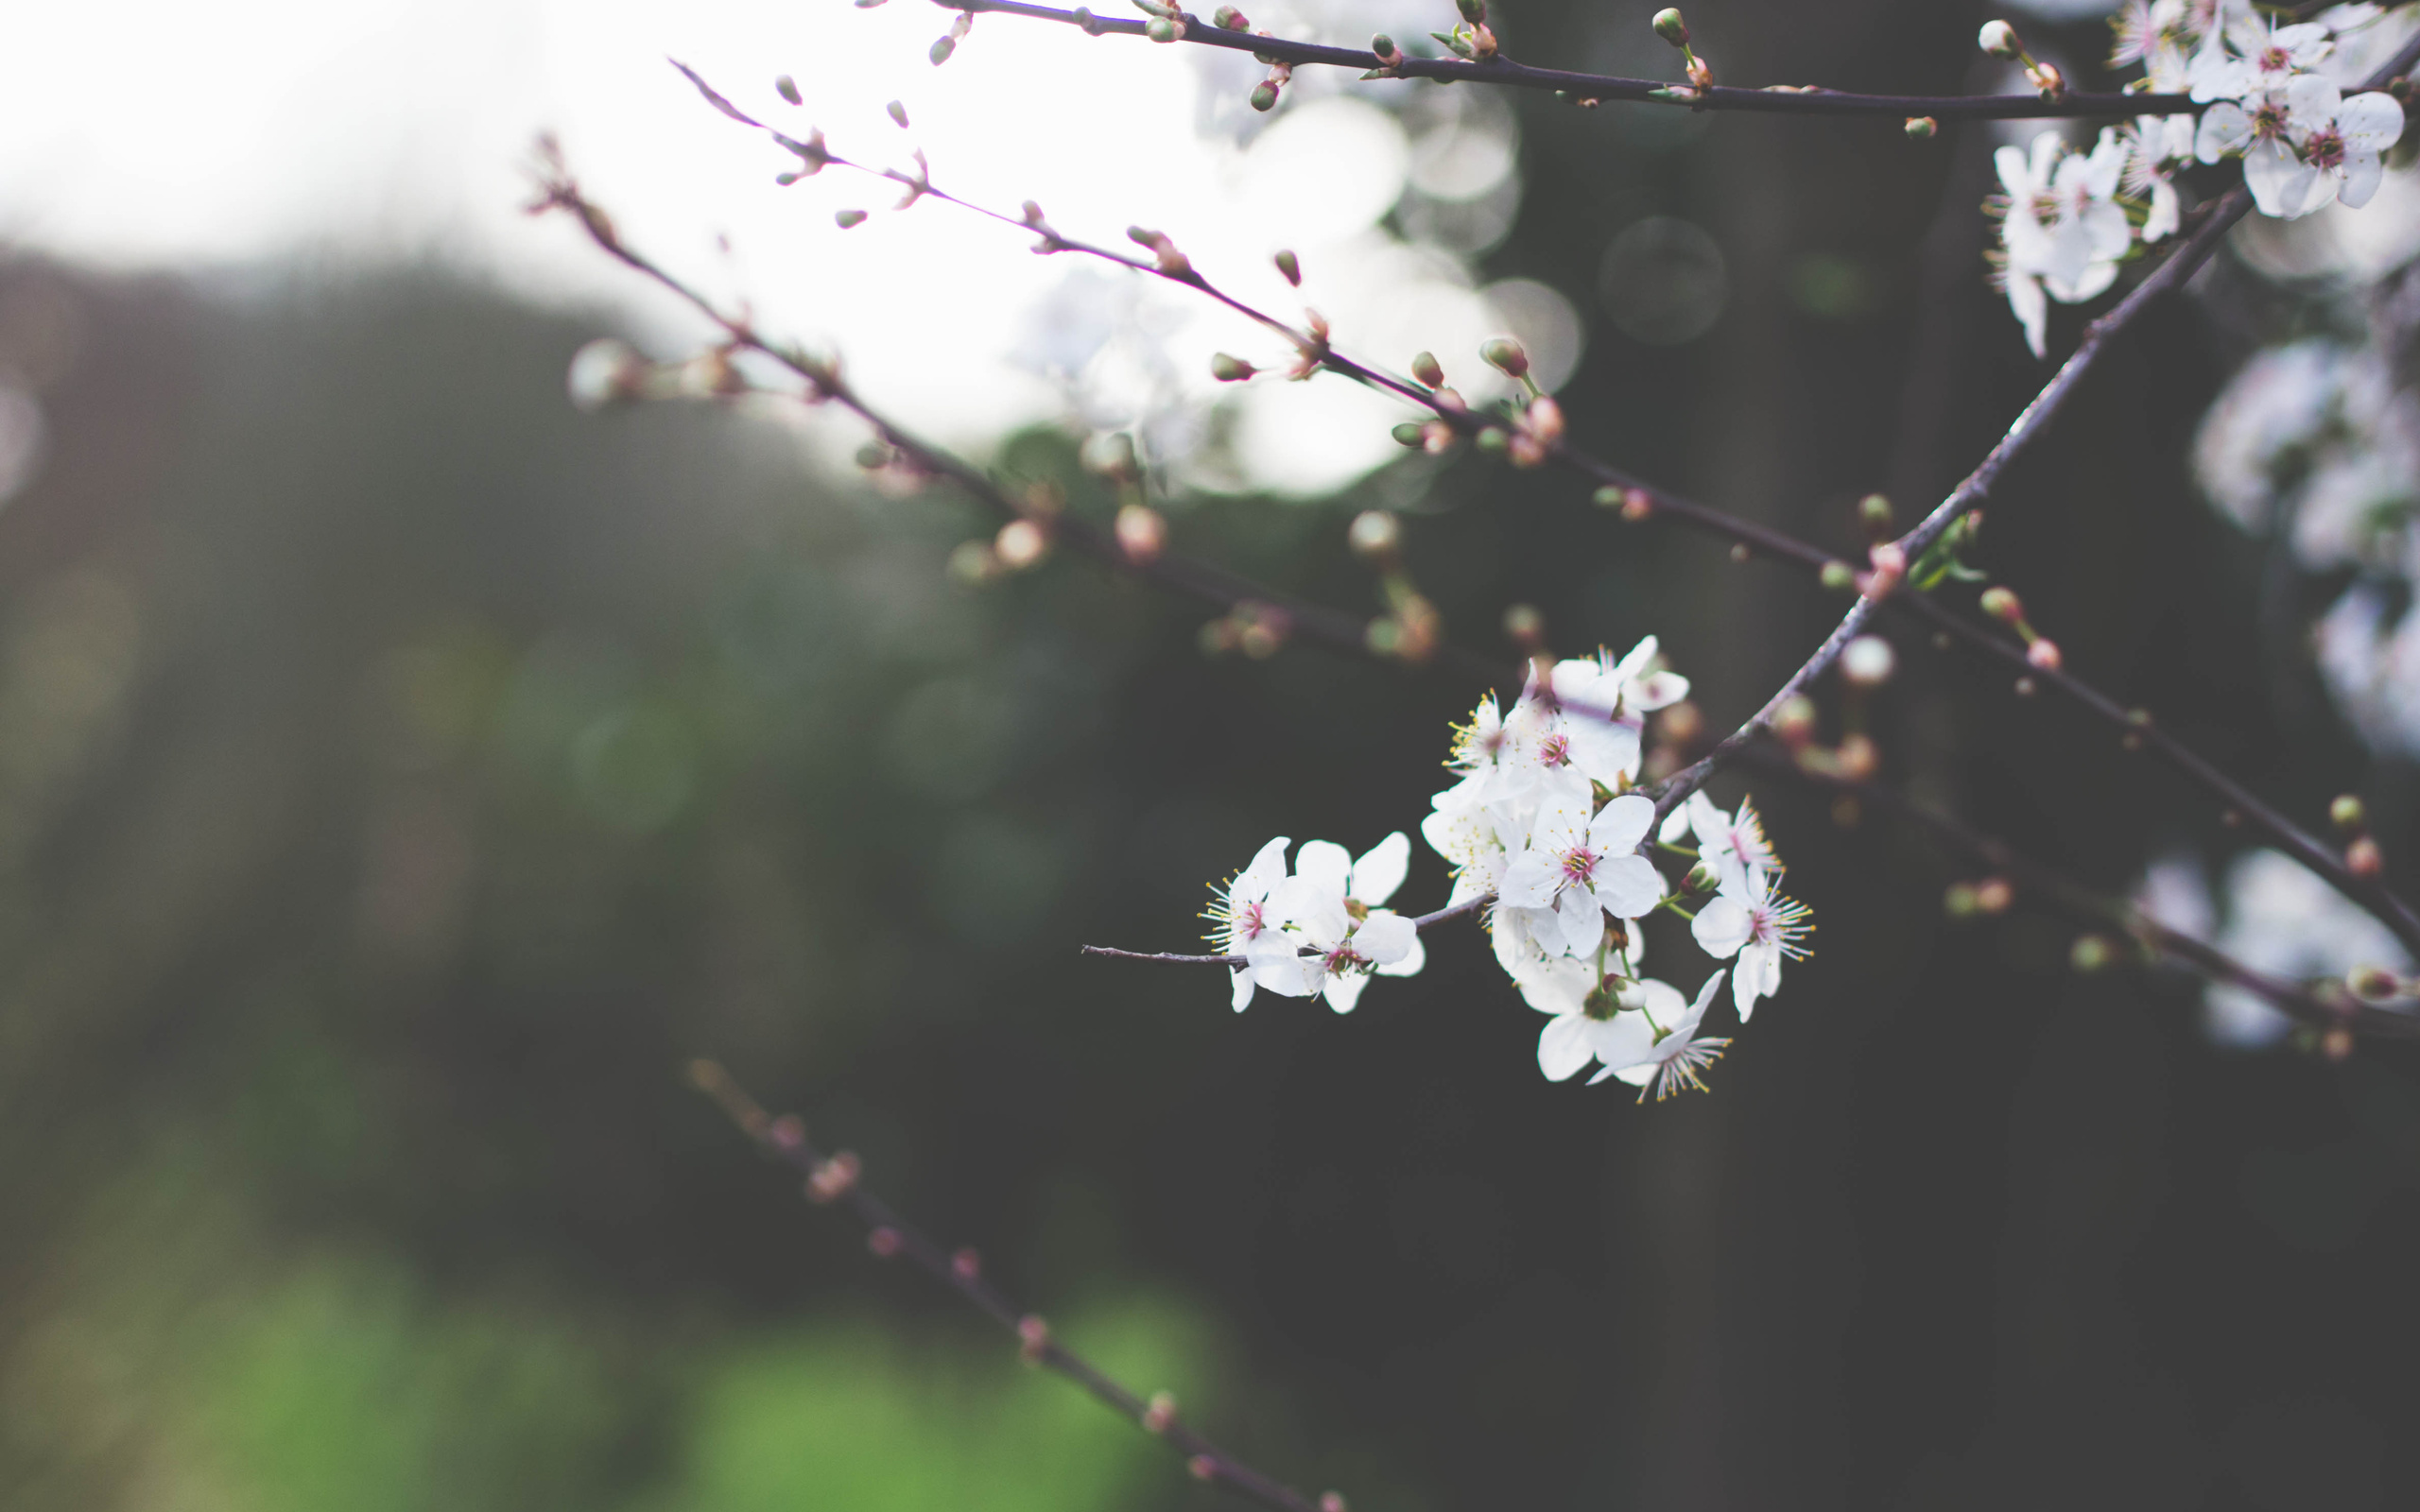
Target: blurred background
{"x":404,"y":774}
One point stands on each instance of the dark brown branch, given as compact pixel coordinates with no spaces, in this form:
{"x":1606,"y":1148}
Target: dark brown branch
{"x":1780,"y":99}
{"x":833,"y":1180}
{"x":1461,"y":910}
{"x":2329,"y":1009}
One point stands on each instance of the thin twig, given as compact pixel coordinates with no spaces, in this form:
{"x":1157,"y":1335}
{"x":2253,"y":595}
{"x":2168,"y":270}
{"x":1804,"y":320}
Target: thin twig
{"x":1499,"y":70}
{"x":834,"y":1180}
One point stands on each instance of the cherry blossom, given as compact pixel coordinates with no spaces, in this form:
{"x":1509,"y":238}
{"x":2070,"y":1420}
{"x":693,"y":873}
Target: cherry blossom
{"x":1584,"y":1006}
{"x":1739,"y":837}
{"x":2064,"y":232}
{"x":1747,"y":919}
{"x":1331,"y":905}
{"x":1585,"y":865}
{"x":1656,"y":1048}
{"x":1245,"y":927}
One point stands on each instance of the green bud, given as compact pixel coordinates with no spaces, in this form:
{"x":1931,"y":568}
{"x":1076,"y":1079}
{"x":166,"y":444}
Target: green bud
{"x":1264,"y":95}
{"x":1608,"y":497}
{"x":1922,"y":128}
{"x":1670,"y":27}
{"x":898,"y":114}
{"x":1998,"y":39}
{"x":1840,"y":578}
{"x":874,"y":455}
{"x":1412,"y":433}
{"x":1383,"y":45}
{"x":1230,"y":18}
{"x":1958,"y":900}
{"x":848,"y":218}
{"x":787,"y":88}
{"x":1229,"y":370}
{"x":942,"y":47}
{"x":2091,"y":954}
{"x":1874,"y":512}
{"x":2348,"y":813}
{"x":1289,"y":268}
{"x":1159,"y":29}
{"x":1427,"y":371}
{"x":1493,"y":441}
{"x":1474,"y":11}
{"x":2002,"y":604}
{"x":1505,"y":353}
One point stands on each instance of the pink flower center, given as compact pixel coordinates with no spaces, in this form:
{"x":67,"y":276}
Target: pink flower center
{"x":1555,"y":750}
{"x":2325,"y":149}
{"x":1248,"y":922}
{"x":2273,"y":60}
{"x":2268,"y":123}
{"x":1579,"y":864}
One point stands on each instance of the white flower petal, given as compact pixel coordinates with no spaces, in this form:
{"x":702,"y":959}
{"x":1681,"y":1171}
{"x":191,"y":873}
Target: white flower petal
{"x":2362,"y":175}
{"x":1385,"y":937}
{"x":1377,"y":875}
{"x":1266,"y":870}
{"x":1722,"y":927}
{"x":2374,"y":120}
{"x":2032,"y":310}
{"x":1565,"y":1046}
{"x":1344,"y":992}
{"x":1628,"y":886}
{"x":1326,"y":864}
{"x":1413,"y":961}
{"x":2225,"y":128}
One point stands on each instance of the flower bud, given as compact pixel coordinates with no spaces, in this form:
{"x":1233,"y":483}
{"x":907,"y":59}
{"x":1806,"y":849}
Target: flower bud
{"x":1839,"y":577}
{"x":942,"y":48}
{"x":2043,"y":653}
{"x":1410,"y":433}
{"x":1670,"y":27}
{"x":1033,"y":1338}
{"x":1161,"y":29}
{"x":1637,"y":504}
{"x":1794,"y":721}
{"x":1889,"y":566}
{"x":2002,"y":605}
{"x":605,"y":372}
{"x":2373,"y":983}
{"x":1229,"y":370}
{"x":1375,"y":534}
{"x":1607,"y":497}
{"x":1384,"y":47}
{"x":1331,"y":1502}
{"x":1868,"y":662}
{"x":1524,"y":626}
{"x":1859,"y":758}
{"x":1922,"y":128}
{"x":1546,"y":420}
{"x":1264,"y":95}
{"x":1427,"y":371}
{"x":2347,"y":814}
{"x":787,"y":88}
{"x":1474,"y":11}
{"x":1203,"y":1467}
{"x":1142,"y":534}
{"x":966,"y":1265}
{"x":2047,"y":79}
{"x":1505,"y":354}
{"x":883,"y":1241}
{"x":1289,"y":268}
{"x":1999,"y":40}
{"x":833,"y":1178}
{"x":1020,"y":544}
{"x":1993,"y":894}
{"x":849,"y":218}
{"x":898,"y":114}
{"x":1957,"y":899}
{"x":2363,"y":858}
{"x":1159,"y":1413}
{"x":1228,"y":18}
{"x":2091,"y":954}
{"x":2337,"y":1043}
{"x":1874,"y":512}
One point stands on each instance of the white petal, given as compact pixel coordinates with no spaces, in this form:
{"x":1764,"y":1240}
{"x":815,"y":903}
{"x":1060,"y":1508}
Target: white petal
{"x":2224,"y":129}
{"x":1377,"y":875}
{"x":1413,"y":961}
{"x":1582,"y":922}
{"x":1560,"y":987}
{"x":1344,"y":992}
{"x":1384,"y":936}
{"x":2013,"y":175}
{"x":1564,"y":1046}
{"x":1326,"y":864}
{"x":1628,"y":886}
{"x":1266,"y":870}
{"x":1634,"y":662}
{"x":1310,"y":907}
{"x":2277,"y":179}
{"x":1679,"y":822}
{"x":2374,"y":120}
{"x":2362,"y":175}
{"x":1287,"y":976}
{"x":2311,"y":99}
{"x":1620,"y":825}
{"x":1696,"y":1014}
{"x":1722,"y":927}
{"x":2032,"y":310}
{"x":2167,"y":213}
{"x":1531,"y":881}
{"x":1657,"y":690}
{"x":1242,"y":983}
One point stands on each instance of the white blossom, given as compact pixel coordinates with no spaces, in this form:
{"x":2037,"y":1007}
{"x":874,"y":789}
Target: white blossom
{"x":1583,"y":864}
{"x":2064,"y":232}
{"x":1581,"y":1004}
{"x":1245,"y":927}
{"x":1737,"y":837}
{"x":1655,"y":1046}
{"x":1331,"y":904}
{"x":1747,"y":919}
{"x":2304,"y":144}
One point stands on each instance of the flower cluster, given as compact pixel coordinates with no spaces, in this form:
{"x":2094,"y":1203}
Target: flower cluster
{"x":2070,"y":218}
{"x":1543,"y":820}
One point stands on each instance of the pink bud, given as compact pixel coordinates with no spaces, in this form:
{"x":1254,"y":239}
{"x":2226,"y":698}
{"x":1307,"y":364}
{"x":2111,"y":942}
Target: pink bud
{"x":966,"y":1265}
{"x":2043,"y":653}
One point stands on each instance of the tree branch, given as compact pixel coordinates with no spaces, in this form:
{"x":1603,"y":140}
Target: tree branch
{"x":1588,"y":87}
{"x":834,"y":1180}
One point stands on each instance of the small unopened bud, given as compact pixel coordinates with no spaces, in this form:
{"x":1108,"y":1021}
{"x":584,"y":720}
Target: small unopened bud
{"x":1331,"y":1502}
{"x":898,"y":114}
{"x":2002,"y":605}
{"x":1958,"y":901}
{"x":1033,"y":212}
{"x":2043,"y":653}
{"x":1739,"y":552}
{"x":1474,"y":11}
{"x":1607,"y":497}
{"x":1999,"y":40}
{"x":1922,"y":128}
{"x":1384,"y":47}
{"x":1376,"y":534}
{"x":1159,"y":1413}
{"x":1993,"y":894}
{"x":1227,"y":18}
{"x":973,"y":562}
{"x":1889,"y":566}
{"x":883,"y":1241}
{"x":1142,"y":534}
{"x":2337,"y":1043}
{"x":1546,"y":420}
{"x":832,"y":1179}
{"x":1670,"y":27}
{"x":1264,"y":95}
{"x":942,"y":48}
{"x":966,"y":1265}
{"x":1494,"y":440}
{"x":787,"y":88}
{"x":2026,"y":687}
{"x":1794,"y":721}
{"x":1410,"y":433}
{"x":1427,"y":371}
{"x":848,"y":219}
{"x":1637,"y":504}
{"x":1229,"y":370}
{"x":1868,"y":662}
{"x":1859,"y":758}
{"x":605,"y":372}
{"x":1525,"y":626}
{"x":1839,"y":576}
{"x":2373,"y":983}
{"x":2347,"y":814}
{"x":1020,"y":544}
{"x":1162,"y":29}
{"x":1203,"y":1467}
{"x":787,"y":1132}
{"x":2047,"y":79}
{"x":1033,"y":1338}
{"x":2363,"y":858}
{"x":1289,"y":268}
{"x":2091,"y":954}
{"x":1505,"y":354}
{"x":1874,"y":512}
